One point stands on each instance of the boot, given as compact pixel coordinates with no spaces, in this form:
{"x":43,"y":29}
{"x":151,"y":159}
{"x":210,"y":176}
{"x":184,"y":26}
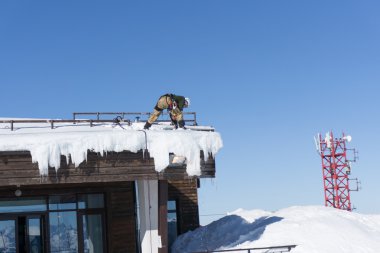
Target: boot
{"x":147,"y":126}
{"x":181,"y":124}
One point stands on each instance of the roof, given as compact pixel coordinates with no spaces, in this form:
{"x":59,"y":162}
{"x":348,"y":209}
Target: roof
{"x":73,"y":140}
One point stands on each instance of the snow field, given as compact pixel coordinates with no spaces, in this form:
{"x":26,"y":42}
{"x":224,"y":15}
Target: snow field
{"x":315,"y":229}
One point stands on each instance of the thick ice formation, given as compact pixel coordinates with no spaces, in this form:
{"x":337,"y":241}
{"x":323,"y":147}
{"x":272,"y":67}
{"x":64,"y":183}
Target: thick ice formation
{"x":314,"y":229}
{"x":47,"y":145}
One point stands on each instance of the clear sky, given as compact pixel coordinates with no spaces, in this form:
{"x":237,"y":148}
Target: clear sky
{"x":267,"y":74}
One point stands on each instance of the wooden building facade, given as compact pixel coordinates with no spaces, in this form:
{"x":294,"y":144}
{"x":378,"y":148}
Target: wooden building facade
{"x":114,"y":203}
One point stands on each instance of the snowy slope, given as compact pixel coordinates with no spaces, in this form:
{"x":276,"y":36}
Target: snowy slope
{"x":315,"y":229}
{"x":46,"y":145}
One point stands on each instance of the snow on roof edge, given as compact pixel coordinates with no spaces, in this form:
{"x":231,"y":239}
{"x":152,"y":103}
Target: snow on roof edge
{"x":47,"y":145}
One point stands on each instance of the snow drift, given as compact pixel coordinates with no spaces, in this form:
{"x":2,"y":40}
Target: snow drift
{"x":74,"y":141}
{"x":314,"y":229}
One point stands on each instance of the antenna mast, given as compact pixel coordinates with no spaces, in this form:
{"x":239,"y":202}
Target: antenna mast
{"x":335,"y":168}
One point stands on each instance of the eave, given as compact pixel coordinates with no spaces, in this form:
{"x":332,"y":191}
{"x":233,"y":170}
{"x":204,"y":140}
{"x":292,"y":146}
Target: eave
{"x":17,"y":168}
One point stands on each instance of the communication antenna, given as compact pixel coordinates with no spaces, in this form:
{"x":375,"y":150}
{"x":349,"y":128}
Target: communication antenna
{"x":336,"y":168}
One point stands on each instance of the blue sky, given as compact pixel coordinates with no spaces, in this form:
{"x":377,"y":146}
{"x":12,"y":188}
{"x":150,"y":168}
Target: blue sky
{"x":267,"y":74}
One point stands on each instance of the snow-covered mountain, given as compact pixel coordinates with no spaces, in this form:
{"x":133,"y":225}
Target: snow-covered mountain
{"x":314,"y":229}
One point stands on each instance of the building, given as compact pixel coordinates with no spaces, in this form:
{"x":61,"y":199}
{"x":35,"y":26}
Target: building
{"x":75,"y":188}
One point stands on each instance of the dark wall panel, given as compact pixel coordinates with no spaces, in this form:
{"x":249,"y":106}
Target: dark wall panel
{"x":121,"y":220}
{"x":185,"y":192}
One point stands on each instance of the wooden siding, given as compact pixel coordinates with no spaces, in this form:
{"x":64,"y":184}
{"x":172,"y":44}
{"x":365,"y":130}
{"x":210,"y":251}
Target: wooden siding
{"x":185,"y":193}
{"x":121,"y":220}
{"x":16,"y":168}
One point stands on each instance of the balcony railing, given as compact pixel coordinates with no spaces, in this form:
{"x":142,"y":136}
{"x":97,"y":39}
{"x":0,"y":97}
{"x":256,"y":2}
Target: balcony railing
{"x":275,"y":249}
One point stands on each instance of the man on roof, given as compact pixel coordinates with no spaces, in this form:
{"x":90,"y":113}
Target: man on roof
{"x":174,"y":104}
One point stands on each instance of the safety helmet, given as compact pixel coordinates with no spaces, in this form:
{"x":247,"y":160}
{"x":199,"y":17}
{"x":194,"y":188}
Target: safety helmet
{"x":187,"y":102}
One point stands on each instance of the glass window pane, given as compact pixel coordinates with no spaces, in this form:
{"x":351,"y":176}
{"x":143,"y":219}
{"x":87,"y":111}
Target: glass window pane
{"x":93,"y":233}
{"x":171,"y":205}
{"x":172,"y":222}
{"x":63,"y":232}
{"x":22,"y":205}
{"x":34,"y":234}
{"x":62,"y":202}
{"x":172,"y":217}
{"x":8,"y":236}
{"x":86,"y":201}
{"x":172,"y":232}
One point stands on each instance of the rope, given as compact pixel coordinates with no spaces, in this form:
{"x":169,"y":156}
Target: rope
{"x":117,"y":121}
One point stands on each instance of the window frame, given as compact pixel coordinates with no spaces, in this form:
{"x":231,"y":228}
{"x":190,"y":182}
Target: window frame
{"x":45,"y":216}
{"x":176,"y":212}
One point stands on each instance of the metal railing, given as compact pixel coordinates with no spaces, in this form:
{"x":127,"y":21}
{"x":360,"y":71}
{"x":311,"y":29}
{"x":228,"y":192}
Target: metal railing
{"x":275,"y":249}
{"x":122,"y":118}
{"x":138,"y":116}
{"x":53,"y":121}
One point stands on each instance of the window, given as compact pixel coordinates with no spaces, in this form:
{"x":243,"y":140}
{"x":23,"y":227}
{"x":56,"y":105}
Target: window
{"x":23,"y":205}
{"x":88,"y":201}
{"x":62,"y":202}
{"x":172,"y":222}
{"x":34,"y":235}
{"x":63,"y":232}
{"x":8,"y":236}
{"x":69,"y":223}
{"x":76,"y":223}
{"x":92,"y":233}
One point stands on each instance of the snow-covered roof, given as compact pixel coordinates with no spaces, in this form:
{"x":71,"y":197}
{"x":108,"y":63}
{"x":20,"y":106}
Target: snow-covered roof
{"x":46,"y":145}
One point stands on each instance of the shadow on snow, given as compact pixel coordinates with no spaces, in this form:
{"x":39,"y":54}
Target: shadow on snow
{"x":228,"y":231}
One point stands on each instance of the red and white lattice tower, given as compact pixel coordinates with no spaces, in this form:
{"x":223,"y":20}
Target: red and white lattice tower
{"x":335,"y":168}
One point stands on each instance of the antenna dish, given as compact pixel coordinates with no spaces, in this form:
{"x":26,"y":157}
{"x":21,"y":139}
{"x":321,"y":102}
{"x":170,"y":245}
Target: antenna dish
{"x":348,"y":138}
{"x":328,"y":139}
{"x":316,"y":141}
